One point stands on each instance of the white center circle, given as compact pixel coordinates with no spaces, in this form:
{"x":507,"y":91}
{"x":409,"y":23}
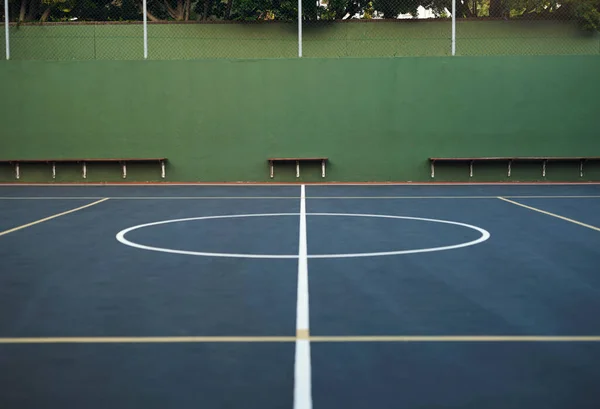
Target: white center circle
{"x":121,"y":237}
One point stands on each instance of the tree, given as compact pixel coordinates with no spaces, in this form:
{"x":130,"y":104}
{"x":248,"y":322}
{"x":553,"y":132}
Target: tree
{"x":585,"y":12}
{"x":178,"y":10}
{"x":66,"y":10}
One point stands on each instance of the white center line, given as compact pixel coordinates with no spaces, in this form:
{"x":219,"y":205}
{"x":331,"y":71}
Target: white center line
{"x":302,"y":369}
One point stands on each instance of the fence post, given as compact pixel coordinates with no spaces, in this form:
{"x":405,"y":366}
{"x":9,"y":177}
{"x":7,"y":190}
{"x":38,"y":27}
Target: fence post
{"x":145,"y":13}
{"x":299,"y":28}
{"x":453,"y":27}
{"x":6,"y":21}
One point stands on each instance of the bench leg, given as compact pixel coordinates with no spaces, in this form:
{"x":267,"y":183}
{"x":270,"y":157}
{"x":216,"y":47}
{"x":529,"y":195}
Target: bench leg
{"x":297,"y":169}
{"x":580,"y":168}
{"x":471,"y":169}
{"x":509,"y":167}
{"x":84,"y":170}
{"x":322,"y":168}
{"x":17,"y":171}
{"x":53,"y":170}
{"x":432,"y":170}
{"x":124,"y":166}
{"x":271,"y":169}
{"x":162,"y":169}
{"x":544,"y":169}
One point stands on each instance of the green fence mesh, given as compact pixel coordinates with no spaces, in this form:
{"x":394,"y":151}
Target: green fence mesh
{"x":186,"y":29}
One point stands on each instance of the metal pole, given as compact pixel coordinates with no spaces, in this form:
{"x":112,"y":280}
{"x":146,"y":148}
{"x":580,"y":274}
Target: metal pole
{"x":145,"y":13}
{"x":299,"y":28}
{"x":453,"y":27}
{"x":6,"y":39}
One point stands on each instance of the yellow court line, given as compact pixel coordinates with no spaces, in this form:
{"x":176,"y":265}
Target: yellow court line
{"x":144,"y":340}
{"x":550,"y":214}
{"x":267,"y":339}
{"x":303,"y":334}
{"x":51,"y":217}
{"x":455,"y":338}
{"x":148,"y":197}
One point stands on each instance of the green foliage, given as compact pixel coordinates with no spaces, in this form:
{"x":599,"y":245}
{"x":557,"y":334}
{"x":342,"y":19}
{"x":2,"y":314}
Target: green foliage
{"x":369,"y":11}
{"x":101,"y":10}
{"x":391,"y":9}
{"x":585,"y":12}
{"x":335,"y":10}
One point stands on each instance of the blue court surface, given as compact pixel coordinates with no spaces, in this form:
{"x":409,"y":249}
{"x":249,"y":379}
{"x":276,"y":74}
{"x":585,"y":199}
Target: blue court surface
{"x":292,"y":296}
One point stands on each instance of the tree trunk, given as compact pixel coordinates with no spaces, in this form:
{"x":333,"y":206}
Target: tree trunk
{"x":207,"y":9}
{"x":23,"y":10}
{"x":32,"y":13}
{"x":228,"y":9}
{"x":497,"y":8}
{"x":351,"y":10}
{"x":463,"y":10}
{"x":151,"y":16}
{"x":187,"y":6}
{"x":172,"y":12}
{"x":180,"y":10}
{"x":45,"y":14}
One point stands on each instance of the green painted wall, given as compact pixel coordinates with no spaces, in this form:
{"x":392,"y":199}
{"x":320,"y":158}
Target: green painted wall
{"x":279,"y":40}
{"x":377,"y":119}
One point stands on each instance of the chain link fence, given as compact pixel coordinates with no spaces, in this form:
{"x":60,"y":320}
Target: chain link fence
{"x":527,"y":27}
{"x":3,"y":32}
{"x":197,"y":29}
{"x":75,"y":29}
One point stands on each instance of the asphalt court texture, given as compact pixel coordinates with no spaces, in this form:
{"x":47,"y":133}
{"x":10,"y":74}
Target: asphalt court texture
{"x":441,"y":296}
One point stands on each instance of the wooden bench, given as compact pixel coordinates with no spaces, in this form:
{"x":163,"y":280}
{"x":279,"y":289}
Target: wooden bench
{"x":272,"y":162}
{"x":84,"y":161}
{"x":510,"y":159}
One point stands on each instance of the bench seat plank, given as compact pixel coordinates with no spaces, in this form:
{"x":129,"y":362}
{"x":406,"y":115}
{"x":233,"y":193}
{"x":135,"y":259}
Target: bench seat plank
{"x":272,"y":161}
{"x":510,"y":159}
{"x":107,"y":160}
{"x":517,"y":158}
{"x":84,"y":161}
{"x":297,"y":159}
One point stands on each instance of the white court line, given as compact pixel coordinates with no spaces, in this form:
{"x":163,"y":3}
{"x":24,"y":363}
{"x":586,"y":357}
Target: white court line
{"x":287,"y":197}
{"x":453,"y":197}
{"x":121,"y":237}
{"x":302,"y":365}
{"x":318,"y":338}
